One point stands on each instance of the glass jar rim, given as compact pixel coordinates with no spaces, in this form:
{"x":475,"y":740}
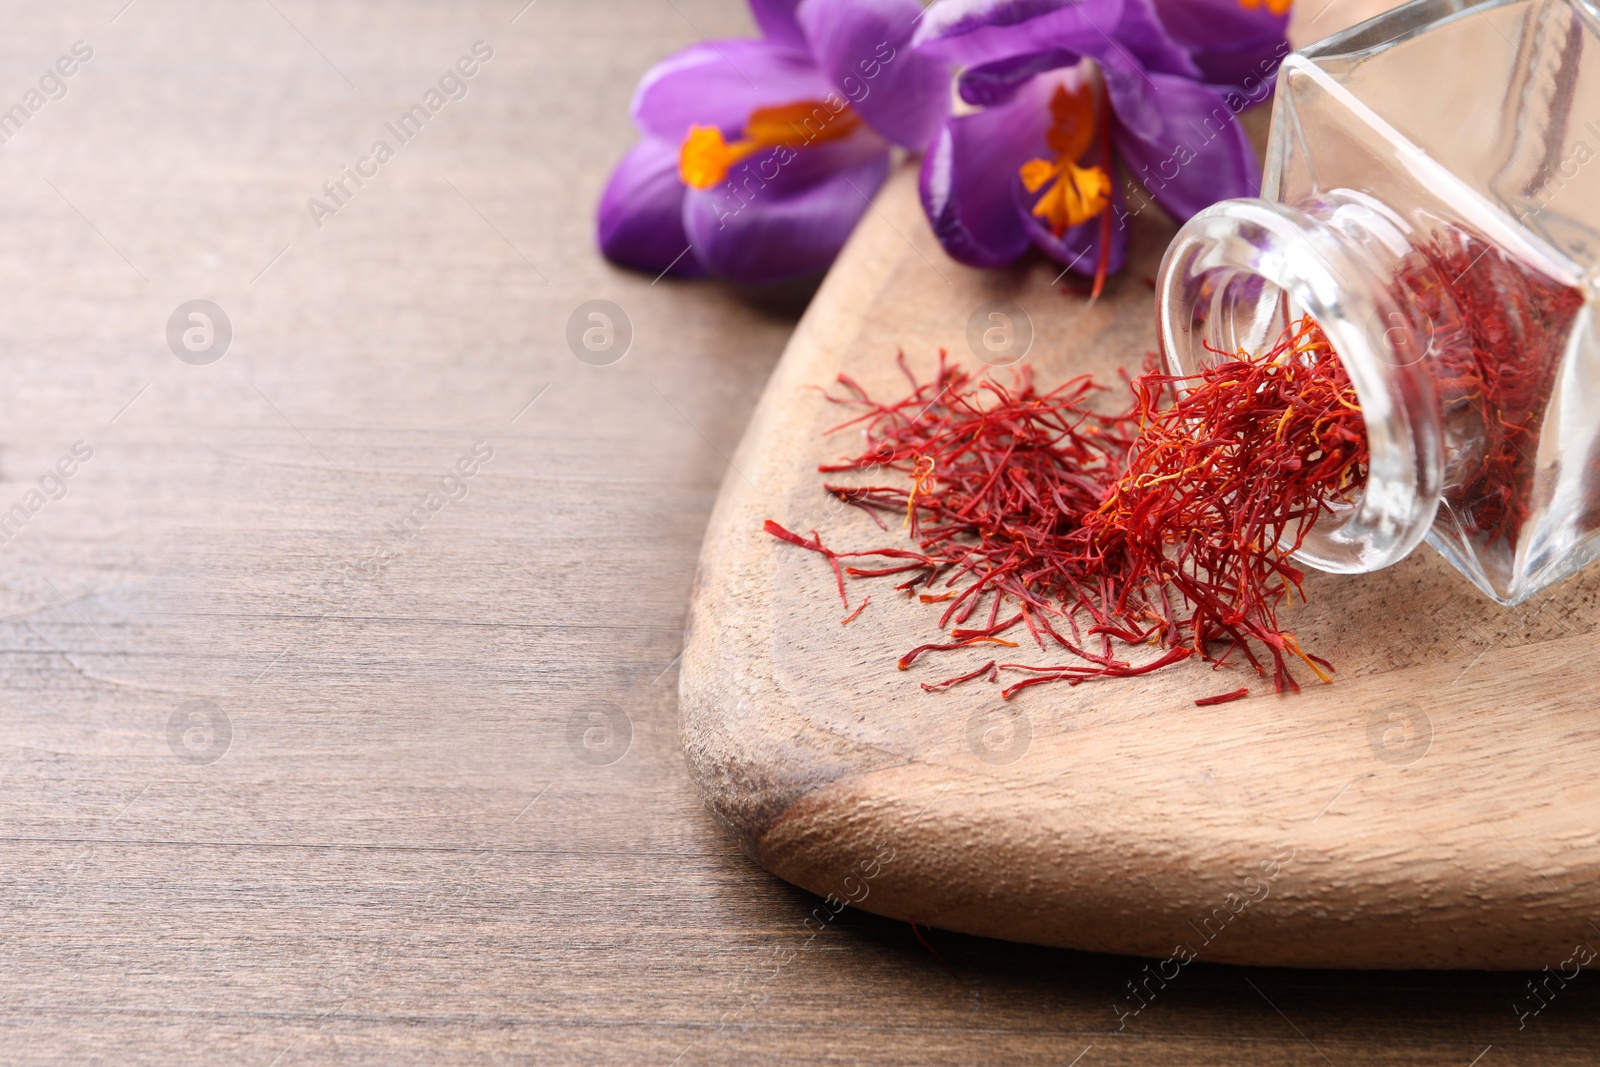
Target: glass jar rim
{"x":1325,"y":259}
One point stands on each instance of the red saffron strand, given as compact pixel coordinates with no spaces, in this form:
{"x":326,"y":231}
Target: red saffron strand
{"x":905,"y":661}
{"x":948,"y":682}
{"x":850,"y":618}
{"x":1222,"y":698}
{"x":815,"y":545}
{"x":929,"y":946}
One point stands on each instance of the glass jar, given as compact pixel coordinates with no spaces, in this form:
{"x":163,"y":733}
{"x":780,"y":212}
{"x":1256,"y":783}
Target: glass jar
{"x":1432,"y":199}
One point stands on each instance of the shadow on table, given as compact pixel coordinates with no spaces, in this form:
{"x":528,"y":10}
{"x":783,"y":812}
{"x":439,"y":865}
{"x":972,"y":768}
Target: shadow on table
{"x":1118,"y":1001}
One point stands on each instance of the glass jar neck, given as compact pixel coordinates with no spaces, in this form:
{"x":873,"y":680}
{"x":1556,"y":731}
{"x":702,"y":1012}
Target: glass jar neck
{"x":1242,"y":270}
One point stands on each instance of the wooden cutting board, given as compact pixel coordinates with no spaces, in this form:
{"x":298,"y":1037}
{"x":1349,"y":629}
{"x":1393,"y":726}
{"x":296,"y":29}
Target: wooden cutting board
{"x":1436,"y":806}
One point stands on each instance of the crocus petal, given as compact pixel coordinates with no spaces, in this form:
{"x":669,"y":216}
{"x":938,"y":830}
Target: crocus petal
{"x":1132,"y":92}
{"x":997,"y":82}
{"x":1229,"y":42}
{"x":719,"y":83}
{"x":968,"y":33}
{"x":1142,"y":33}
{"x":1251,"y":70}
{"x":863,"y":46}
{"x":970,"y":175}
{"x":1200,"y":155}
{"x":777,"y":21}
{"x":1041,"y":48}
{"x":792,"y":225}
{"x":1130,"y":89}
{"x":641,"y":212}
{"x":1077,"y":248}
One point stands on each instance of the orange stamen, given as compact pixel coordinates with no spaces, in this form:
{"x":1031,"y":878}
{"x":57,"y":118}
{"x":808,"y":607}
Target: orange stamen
{"x":921,"y":479}
{"x":706,"y":156}
{"x":1070,"y":194}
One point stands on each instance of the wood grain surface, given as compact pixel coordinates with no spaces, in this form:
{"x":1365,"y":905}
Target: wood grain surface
{"x":400,"y":855}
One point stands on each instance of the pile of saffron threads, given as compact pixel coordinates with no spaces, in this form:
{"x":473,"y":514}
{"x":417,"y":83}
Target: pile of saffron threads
{"x":1498,"y":331}
{"x":1119,"y":543}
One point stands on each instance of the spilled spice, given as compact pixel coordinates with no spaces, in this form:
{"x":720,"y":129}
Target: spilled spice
{"x":1222,"y":698}
{"x":1129,"y":541}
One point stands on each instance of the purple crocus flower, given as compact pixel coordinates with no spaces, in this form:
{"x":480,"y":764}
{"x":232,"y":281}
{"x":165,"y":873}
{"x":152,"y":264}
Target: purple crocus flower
{"x":1034,"y":163}
{"x":1235,"y":43}
{"x":759,"y":156}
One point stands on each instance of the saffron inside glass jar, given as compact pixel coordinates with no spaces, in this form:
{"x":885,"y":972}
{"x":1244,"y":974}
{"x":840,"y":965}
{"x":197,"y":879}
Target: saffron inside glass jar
{"x":1449,"y":264}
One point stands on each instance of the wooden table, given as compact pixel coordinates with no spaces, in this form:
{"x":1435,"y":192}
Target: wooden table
{"x":301,"y":765}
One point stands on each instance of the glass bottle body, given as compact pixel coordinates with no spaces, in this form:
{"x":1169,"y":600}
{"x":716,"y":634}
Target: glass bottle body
{"x":1429,"y":200}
